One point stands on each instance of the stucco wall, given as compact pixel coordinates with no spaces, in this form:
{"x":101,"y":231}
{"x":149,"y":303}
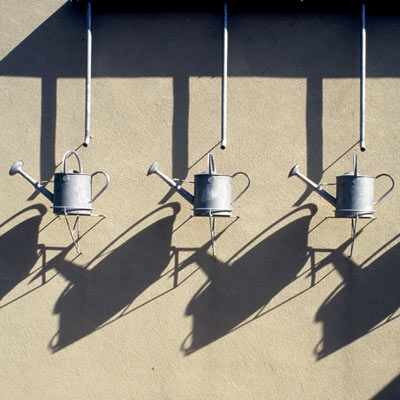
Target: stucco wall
{"x":146,"y":312}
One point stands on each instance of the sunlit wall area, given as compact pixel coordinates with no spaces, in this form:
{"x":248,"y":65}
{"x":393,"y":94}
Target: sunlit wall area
{"x":143,"y":300}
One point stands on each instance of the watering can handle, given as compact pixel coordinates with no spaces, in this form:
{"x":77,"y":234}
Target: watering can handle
{"x":245,"y":189}
{"x":104,"y":187}
{"x":66,"y":155}
{"x":391,"y":188}
{"x":211,"y":164}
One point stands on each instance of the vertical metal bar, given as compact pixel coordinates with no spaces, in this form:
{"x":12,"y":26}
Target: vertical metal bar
{"x":363,"y":76}
{"x":355,"y":165}
{"x":212,"y":231}
{"x":88,"y":72}
{"x":224,"y":77}
{"x":353,"y":234}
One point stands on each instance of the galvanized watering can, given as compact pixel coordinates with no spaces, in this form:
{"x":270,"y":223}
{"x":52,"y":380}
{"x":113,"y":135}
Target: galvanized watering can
{"x":72,"y":189}
{"x":212,"y":191}
{"x":354,"y":193}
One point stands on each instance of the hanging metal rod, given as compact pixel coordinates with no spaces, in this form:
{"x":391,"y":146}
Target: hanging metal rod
{"x":224,"y":76}
{"x":88,"y":72}
{"x":363,"y":76}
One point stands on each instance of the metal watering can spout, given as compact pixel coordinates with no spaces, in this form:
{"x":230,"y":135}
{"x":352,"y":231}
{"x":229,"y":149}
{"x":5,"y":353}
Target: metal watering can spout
{"x":186,"y":195}
{"x":17,"y":169}
{"x":328,"y":197}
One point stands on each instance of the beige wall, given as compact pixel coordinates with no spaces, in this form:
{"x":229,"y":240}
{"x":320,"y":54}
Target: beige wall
{"x":146,"y":312}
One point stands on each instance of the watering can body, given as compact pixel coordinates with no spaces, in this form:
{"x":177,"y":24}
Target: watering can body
{"x":212,"y":191}
{"x":212,"y":194}
{"x":355,"y":196}
{"x":72,"y":193}
{"x":72,"y":189}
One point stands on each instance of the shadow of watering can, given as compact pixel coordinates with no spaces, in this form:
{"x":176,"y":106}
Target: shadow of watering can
{"x":20,"y":248}
{"x":212,"y":191}
{"x":117,"y":277}
{"x":354,"y":193}
{"x":72,"y":189}
{"x":238,"y":291}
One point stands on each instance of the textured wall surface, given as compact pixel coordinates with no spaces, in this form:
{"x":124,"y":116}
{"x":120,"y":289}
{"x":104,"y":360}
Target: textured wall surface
{"x":146,"y":312}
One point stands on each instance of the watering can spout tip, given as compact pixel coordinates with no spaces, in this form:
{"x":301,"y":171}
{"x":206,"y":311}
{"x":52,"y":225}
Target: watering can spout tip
{"x":153,"y":168}
{"x":16,"y":167}
{"x":294,"y":170}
